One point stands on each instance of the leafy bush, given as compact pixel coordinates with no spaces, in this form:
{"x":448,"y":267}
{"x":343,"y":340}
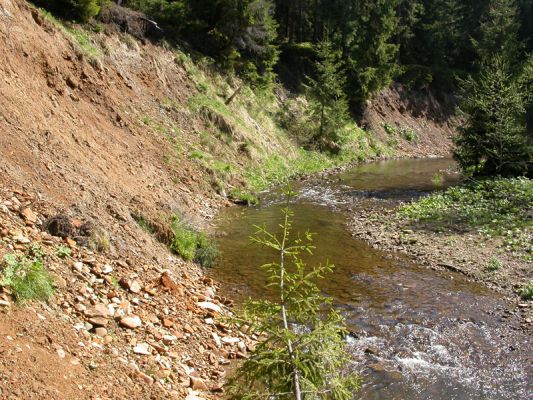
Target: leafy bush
{"x":499,"y":204}
{"x":192,"y":245}
{"x":27,"y":279}
{"x":206,"y":252}
{"x":80,"y":10}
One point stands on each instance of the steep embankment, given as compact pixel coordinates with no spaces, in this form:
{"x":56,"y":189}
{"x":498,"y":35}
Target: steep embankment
{"x":413,"y":122}
{"x":116,"y":135}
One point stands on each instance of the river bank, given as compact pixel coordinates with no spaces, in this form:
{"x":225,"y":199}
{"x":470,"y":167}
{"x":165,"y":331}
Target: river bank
{"x":468,"y":253}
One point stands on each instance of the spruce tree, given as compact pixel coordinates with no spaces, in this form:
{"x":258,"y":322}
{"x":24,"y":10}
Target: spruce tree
{"x":301,"y":354}
{"x":499,"y":32}
{"x":329,"y":106}
{"x":494,"y":138}
{"x":370,"y":51}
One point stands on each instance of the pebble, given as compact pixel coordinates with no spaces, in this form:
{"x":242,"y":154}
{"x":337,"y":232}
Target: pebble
{"x":197,"y":383}
{"x":131,"y":322}
{"x":142,"y":348}
{"x":98,"y":321}
{"x":100,"y":331}
{"x":209,"y":306}
{"x":21,"y":239}
{"x":99,"y":310}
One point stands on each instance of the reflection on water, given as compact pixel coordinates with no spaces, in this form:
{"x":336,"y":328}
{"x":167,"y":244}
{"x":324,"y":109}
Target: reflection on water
{"x":417,"y":334}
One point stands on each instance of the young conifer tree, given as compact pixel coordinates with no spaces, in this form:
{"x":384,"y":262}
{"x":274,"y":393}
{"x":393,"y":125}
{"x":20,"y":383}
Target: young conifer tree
{"x":302,"y":351}
{"x":329,"y":106}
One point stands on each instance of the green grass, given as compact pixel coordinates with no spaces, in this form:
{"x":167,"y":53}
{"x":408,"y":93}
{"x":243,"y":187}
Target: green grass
{"x":192,"y":245}
{"x":526,"y":292}
{"x":27,"y":279}
{"x":494,"y":265}
{"x":77,"y":35}
{"x":496,"y":207}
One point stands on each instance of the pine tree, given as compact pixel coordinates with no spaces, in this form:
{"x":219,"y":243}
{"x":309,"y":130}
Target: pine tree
{"x":301,"y":355}
{"x":499,"y":32}
{"x":494,"y":138}
{"x":370,"y":51}
{"x":329,"y":106}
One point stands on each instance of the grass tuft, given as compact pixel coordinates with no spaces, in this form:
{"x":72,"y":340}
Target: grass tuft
{"x":27,"y":279}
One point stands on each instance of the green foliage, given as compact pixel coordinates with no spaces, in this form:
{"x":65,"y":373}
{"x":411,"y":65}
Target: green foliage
{"x":494,"y":264}
{"x":26,"y":278}
{"x":79,"y":10}
{"x":496,"y":207}
{"x":206,"y":251}
{"x":302,"y":353}
{"x":372,"y":54}
{"x":494,"y":138}
{"x":63,"y":252}
{"x":526,"y":292}
{"x":437,"y":179}
{"x":329,"y":106}
{"x":499,"y":32}
{"x":192,"y":245}
{"x":243,"y":196}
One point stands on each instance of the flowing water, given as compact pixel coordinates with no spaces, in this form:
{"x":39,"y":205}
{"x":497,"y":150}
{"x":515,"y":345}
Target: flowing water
{"x":416,"y":333}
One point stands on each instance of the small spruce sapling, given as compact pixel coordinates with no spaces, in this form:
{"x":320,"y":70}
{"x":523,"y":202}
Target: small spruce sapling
{"x":301,"y":354}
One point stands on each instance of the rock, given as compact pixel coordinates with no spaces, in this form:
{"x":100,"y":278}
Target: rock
{"x":167,"y":323}
{"x":230,"y":340}
{"x":131,"y":322}
{"x":197,"y":383}
{"x":372,"y":350}
{"x":107,"y":269}
{"x":168,"y":283}
{"x":142,"y":348}
{"x":72,"y":82}
{"x":169,"y":339}
{"x":132,"y":285}
{"x":21,"y":239}
{"x":4,"y":303}
{"x":207,"y":305}
{"x":29,"y":216}
{"x":145,"y":378}
{"x":98,"y":321}
{"x":100,"y":331}
{"x":99,"y":310}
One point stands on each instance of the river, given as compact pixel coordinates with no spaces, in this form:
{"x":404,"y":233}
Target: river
{"x":417,"y":334}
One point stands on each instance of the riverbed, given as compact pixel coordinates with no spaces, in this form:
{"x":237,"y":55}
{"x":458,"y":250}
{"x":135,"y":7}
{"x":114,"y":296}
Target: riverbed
{"x":416,"y":334}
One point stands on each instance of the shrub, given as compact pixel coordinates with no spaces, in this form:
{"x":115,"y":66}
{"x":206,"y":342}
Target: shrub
{"x":206,"y":251}
{"x":27,"y":279}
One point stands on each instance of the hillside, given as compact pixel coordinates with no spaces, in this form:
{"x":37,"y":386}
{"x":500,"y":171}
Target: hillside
{"x":117,"y":133}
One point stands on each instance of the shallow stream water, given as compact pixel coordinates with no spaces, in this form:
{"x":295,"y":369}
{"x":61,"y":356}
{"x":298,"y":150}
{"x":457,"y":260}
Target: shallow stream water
{"x":416,"y":333}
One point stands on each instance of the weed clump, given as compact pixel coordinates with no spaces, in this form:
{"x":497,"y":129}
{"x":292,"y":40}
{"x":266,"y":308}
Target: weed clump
{"x":27,"y":279}
{"x":192,"y":245}
{"x":526,"y":292}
